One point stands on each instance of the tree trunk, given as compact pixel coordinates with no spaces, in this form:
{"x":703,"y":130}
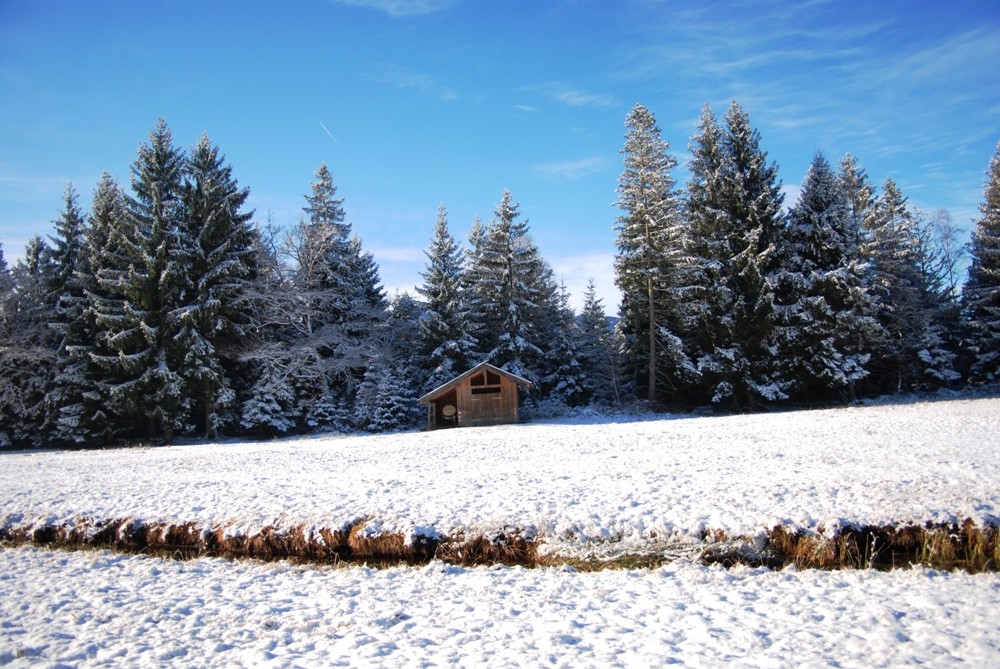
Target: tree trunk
{"x":652,"y":341}
{"x":209,"y":410}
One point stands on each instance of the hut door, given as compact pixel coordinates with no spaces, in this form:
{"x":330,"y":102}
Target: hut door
{"x":446,"y":410}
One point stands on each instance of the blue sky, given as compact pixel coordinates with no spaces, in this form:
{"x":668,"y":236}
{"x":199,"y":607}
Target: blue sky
{"x":416,"y":102}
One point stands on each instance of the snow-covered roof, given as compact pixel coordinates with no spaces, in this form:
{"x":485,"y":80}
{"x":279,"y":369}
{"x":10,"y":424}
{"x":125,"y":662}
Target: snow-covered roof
{"x":444,"y":387}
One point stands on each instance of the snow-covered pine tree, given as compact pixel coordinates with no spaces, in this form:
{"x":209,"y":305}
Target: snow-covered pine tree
{"x":824,"y":328}
{"x":27,"y":353}
{"x":270,"y":406}
{"x":734,"y":209}
{"x":88,"y":413}
{"x":145,"y":358}
{"x":938,"y":256}
{"x":981,"y":295}
{"x":484,"y":327}
{"x":221,"y":258}
{"x":564,"y":380}
{"x":446,"y":347}
{"x":387,"y":397}
{"x":64,"y":257}
{"x":329,"y":313}
{"x":597,"y":350}
{"x":892,"y":249}
{"x":368,"y":300}
{"x":708,"y":248}
{"x":858,"y":193}
{"x":66,"y":295}
{"x":513,"y":281}
{"x":651,"y":257}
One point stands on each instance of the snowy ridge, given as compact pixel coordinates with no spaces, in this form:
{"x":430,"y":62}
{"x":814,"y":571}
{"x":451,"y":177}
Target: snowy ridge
{"x":582,"y":487}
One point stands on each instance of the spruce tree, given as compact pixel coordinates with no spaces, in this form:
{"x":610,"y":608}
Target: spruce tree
{"x":597,"y":350}
{"x":981,"y":295}
{"x":104,"y":262}
{"x":27,"y":354}
{"x":446,"y":347}
{"x":484,"y":326}
{"x":825,"y":327}
{"x":66,"y":295}
{"x":141,"y":324}
{"x":734,"y":206}
{"x":859,"y":195}
{"x":651,"y":255}
{"x":330,"y":312}
{"x":514,"y":281}
{"x":892,"y":249}
{"x":221,"y":263}
{"x":565,"y":380}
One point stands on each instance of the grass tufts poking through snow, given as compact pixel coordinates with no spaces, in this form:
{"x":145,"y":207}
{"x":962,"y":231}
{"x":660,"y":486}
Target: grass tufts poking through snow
{"x":967,"y":547}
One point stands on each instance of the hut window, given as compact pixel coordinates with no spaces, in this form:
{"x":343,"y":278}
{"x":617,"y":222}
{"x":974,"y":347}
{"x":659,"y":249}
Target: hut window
{"x":486,"y":383}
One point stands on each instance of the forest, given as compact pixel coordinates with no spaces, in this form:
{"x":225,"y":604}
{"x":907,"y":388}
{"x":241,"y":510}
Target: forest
{"x":168,"y":311}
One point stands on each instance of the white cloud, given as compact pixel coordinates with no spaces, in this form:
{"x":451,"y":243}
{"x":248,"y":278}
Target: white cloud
{"x":401,"y":8}
{"x":569,"y":169}
{"x":403,"y":79}
{"x":574,"y":97}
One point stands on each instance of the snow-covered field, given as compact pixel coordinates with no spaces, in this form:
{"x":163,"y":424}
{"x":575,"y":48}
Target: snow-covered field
{"x":94,"y":609}
{"x":579,"y":485}
{"x":583,"y":486}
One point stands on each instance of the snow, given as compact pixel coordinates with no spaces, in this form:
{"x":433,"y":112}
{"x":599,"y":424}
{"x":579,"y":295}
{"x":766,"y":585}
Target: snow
{"x":590,"y":485}
{"x":98,"y":609}
{"x":576,"y":484}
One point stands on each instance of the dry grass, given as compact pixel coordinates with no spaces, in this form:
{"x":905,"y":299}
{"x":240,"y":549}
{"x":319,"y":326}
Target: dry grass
{"x":964,"y":546}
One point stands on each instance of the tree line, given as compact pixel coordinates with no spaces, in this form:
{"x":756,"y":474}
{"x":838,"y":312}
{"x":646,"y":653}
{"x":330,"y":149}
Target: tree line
{"x":166,"y":310}
{"x":729,"y":299}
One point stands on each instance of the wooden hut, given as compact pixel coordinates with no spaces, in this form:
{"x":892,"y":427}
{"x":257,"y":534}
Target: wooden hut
{"x":484,"y":395}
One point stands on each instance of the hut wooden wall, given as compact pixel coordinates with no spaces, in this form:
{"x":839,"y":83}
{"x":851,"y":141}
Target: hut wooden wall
{"x":487,"y":409}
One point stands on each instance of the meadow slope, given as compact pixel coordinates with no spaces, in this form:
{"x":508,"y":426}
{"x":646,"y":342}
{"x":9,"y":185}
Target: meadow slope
{"x":580,"y":486}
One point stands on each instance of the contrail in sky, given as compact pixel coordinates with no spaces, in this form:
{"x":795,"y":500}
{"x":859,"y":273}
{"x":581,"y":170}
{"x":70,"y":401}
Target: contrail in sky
{"x":330,"y":135}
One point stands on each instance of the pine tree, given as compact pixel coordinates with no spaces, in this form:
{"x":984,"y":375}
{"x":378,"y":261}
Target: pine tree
{"x":221,"y":264}
{"x":484,"y":326}
{"x":734,"y":208}
{"x":95,"y":416}
{"x":893,"y":252}
{"x":270,"y":407}
{"x":387,"y":397}
{"x":859,"y":195}
{"x":139,"y":329}
{"x":565,"y":380}
{"x":446,"y":344}
{"x":825,"y":328}
{"x":329,"y":312}
{"x":938,"y":255}
{"x":66,"y":295}
{"x":981,"y":295}
{"x":597,"y":350}
{"x":27,"y":354}
{"x":651,"y":255}
{"x":514,"y":281}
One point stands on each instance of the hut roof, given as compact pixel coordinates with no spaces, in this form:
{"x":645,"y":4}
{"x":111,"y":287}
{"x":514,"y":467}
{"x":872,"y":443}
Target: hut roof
{"x":445,"y":387}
